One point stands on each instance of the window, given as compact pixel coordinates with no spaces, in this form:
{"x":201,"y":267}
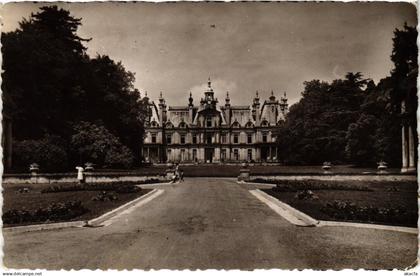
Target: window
{"x":223,"y":138}
{"x":153,"y":138}
{"x":208,"y":122}
{"x":182,"y":139}
{"x":249,"y":154}
{"x":194,"y":153}
{"x":169,"y":139}
{"x":182,"y":154}
{"x":264,"y":137}
{"x":169,"y":157}
{"x":208,"y":139}
{"x":236,"y":154}
{"x":223,"y":155}
{"x":249,"y":138}
{"x":194,"y":139}
{"x":235,"y":138}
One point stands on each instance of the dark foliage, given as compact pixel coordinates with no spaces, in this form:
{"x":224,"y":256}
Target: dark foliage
{"x":54,"y":212}
{"x":119,"y":187}
{"x":304,"y":185}
{"x":105,"y":196}
{"x":49,"y":152}
{"x":353,"y":120}
{"x":50,"y":85}
{"x":348,"y":211}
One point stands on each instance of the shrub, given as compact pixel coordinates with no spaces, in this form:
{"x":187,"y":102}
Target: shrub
{"x":306,"y":194}
{"x":48,"y":152}
{"x":95,"y":143}
{"x":126,"y":189}
{"x":105,"y":196}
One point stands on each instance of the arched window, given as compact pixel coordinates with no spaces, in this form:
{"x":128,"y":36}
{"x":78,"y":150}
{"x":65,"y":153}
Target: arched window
{"x":182,"y":125}
{"x":249,"y":125}
{"x":236,"y":124}
{"x":264,"y":123}
{"x":280,"y":122}
{"x":154,"y":124}
{"x":169,"y":125}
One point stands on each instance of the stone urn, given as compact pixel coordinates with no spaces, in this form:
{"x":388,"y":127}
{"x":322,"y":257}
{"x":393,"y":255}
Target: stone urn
{"x":382,"y":167}
{"x":326,"y":167}
{"x":34,"y":168}
{"x":89,"y":167}
{"x":244,"y":173}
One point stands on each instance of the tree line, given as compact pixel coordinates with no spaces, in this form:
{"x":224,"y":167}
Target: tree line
{"x":353,"y":120}
{"x":67,"y":107}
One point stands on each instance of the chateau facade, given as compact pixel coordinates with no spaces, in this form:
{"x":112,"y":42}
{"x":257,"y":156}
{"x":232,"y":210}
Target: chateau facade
{"x":213,"y":133}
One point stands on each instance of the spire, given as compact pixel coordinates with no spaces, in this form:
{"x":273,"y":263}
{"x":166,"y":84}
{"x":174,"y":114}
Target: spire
{"x":272,"y":97}
{"x":161,"y":99}
{"x":209,"y":83}
{"x":227,"y":100}
{"x":190,"y":100}
{"x":256,"y":99}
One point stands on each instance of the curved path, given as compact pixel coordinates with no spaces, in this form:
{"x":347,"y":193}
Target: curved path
{"x":207,"y":223}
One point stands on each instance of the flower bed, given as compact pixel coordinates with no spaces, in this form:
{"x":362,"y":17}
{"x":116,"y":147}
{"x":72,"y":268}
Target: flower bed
{"x":389,"y":203}
{"x":294,"y":186}
{"x":121,"y":187}
{"x":53,"y":212}
{"x":33,"y":204}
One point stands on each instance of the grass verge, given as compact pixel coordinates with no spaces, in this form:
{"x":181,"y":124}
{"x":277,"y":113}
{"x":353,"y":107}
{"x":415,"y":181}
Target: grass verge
{"x":388,"y":203}
{"x":31,"y":204}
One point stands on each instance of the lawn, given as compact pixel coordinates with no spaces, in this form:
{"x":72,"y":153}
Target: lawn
{"x":389,"y":203}
{"x":34,"y":199}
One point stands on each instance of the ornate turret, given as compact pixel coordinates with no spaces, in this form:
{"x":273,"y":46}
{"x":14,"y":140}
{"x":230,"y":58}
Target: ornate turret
{"x":256,"y":108}
{"x":190,"y":100}
{"x":283,"y":104}
{"x":227,"y":100}
{"x":209,"y":93}
{"x":209,"y":101}
{"x":162,"y":109}
{"x":146,"y":99}
{"x":272,"y":97}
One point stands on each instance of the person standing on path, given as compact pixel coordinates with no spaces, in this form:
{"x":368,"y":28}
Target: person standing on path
{"x":181,"y":175}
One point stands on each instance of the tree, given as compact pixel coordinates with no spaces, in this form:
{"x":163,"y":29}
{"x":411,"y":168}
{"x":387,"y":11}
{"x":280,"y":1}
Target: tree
{"x":50,"y":84}
{"x":377,"y":133}
{"x":40,"y":80}
{"x":316,"y":127}
{"x":94,"y":143}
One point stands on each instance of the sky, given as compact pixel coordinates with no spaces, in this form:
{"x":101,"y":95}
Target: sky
{"x":243,"y":47}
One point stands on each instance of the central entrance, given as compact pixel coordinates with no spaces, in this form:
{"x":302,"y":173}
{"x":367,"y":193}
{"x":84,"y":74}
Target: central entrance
{"x":208,"y":154}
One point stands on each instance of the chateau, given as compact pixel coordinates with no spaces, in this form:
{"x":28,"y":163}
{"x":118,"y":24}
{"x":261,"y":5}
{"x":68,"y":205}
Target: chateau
{"x":213,"y":133}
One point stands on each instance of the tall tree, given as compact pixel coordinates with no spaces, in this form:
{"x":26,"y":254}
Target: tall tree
{"x":316,"y":127}
{"x":40,"y":83}
{"x":50,"y":84}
